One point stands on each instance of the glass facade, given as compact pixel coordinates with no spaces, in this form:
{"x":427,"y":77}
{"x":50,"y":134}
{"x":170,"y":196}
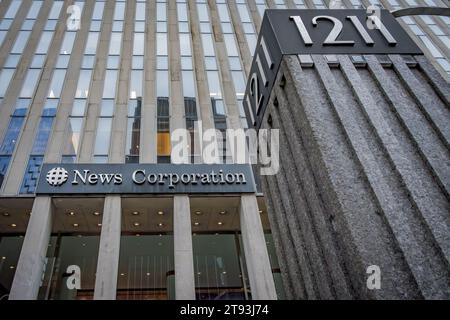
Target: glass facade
{"x":111,"y":70}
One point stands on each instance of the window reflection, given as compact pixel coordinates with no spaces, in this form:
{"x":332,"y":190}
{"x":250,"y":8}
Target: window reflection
{"x":30,"y":83}
{"x":70,"y":250}
{"x":5,"y":78}
{"x":146,"y":268}
{"x":12,"y":134}
{"x":74,"y":129}
{"x":10,"y":247}
{"x":57,"y":83}
{"x":216,"y":265}
{"x":103,"y":136}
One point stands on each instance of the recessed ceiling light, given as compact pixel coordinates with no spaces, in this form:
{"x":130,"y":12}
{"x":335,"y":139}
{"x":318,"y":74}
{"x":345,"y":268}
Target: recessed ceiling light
{"x":75,"y":224}
{"x":148,"y":273}
{"x":223,"y":212}
{"x":220,"y":223}
{"x":11,"y":267}
{"x":6,"y":214}
{"x":160,"y":213}
{"x":99,"y":224}
{"x":198,"y":212}
{"x":136,"y":224}
{"x":71,"y":213}
{"x":3,"y":258}
{"x":196,"y":223}
{"x":96,"y":213}
{"x":224,"y":272}
{"x":160,"y":224}
{"x":122,"y":274}
{"x":135,"y":213}
{"x":13,"y":225}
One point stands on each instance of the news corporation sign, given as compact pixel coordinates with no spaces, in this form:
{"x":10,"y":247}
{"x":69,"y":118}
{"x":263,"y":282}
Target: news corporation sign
{"x":145,"y":179}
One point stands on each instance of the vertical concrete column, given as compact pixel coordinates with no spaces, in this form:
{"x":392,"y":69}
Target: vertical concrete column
{"x":148,"y":150}
{"x":184,"y":259}
{"x":19,"y":160}
{"x":109,"y":249}
{"x":204,"y":99}
{"x":30,"y":267}
{"x":255,"y":250}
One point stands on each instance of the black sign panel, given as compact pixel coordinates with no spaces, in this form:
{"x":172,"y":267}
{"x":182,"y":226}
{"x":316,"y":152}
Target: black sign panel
{"x":145,"y":179}
{"x":307,"y":32}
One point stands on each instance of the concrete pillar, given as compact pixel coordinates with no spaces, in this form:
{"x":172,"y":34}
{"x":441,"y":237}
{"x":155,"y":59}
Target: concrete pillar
{"x":30,"y":267}
{"x":109,"y":249}
{"x":184,"y":260}
{"x":255,"y":250}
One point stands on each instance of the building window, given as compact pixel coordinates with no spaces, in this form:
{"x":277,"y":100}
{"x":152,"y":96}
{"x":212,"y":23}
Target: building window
{"x":74,"y":242}
{"x":103,"y":136}
{"x":133,"y":131}
{"x":162,"y":85}
{"x":31,"y":174}
{"x":4,"y":164}
{"x":218,"y":275}
{"x":10,"y":247}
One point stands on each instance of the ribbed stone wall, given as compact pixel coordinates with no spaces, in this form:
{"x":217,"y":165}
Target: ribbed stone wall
{"x":364,"y":177}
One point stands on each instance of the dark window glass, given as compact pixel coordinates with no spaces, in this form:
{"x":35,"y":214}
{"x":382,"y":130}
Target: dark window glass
{"x":131,"y":159}
{"x":133,"y":136}
{"x":218,"y":107}
{"x":32,"y":174}
{"x":45,"y":127}
{"x":218,"y":274}
{"x":65,"y":251}
{"x":10,"y":247}
{"x":163,"y":159}
{"x":4,"y":163}
{"x":190,"y":107}
{"x":163,"y":107}
{"x":146,"y":269}
{"x":12,"y":135}
{"x":134,"y":108}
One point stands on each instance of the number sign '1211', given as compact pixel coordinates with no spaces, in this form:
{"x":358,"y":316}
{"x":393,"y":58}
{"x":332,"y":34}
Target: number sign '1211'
{"x":317,"y":32}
